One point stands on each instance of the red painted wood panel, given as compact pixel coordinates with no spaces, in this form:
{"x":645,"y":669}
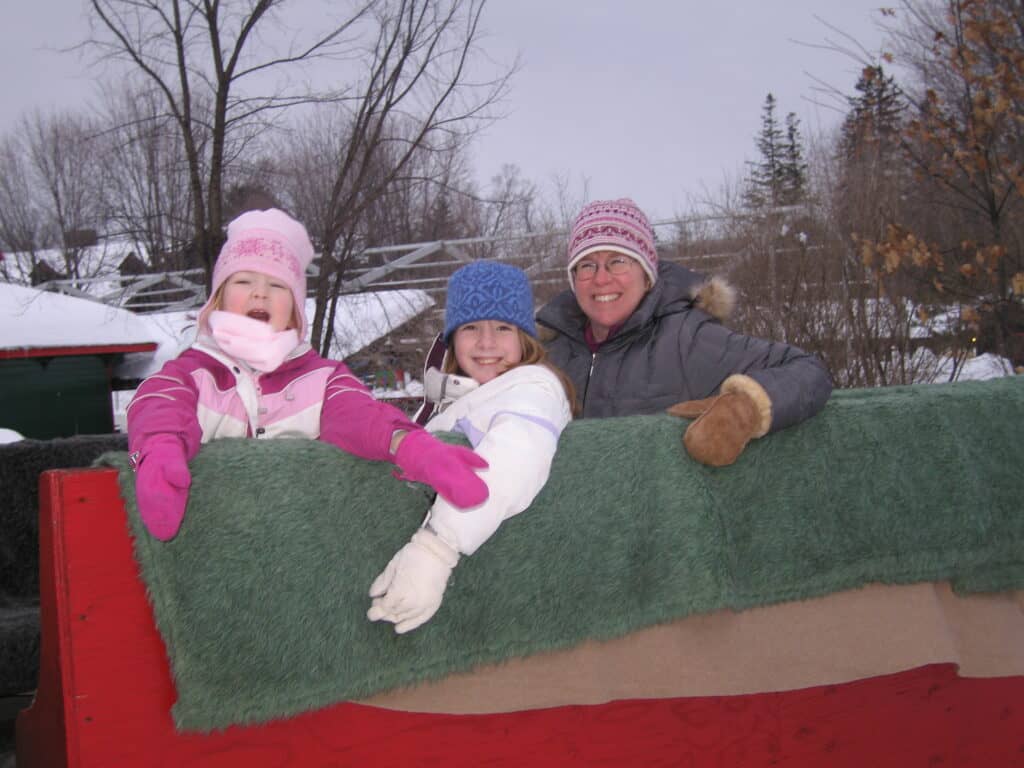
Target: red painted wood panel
{"x":105,"y":693}
{"x":14,"y":353}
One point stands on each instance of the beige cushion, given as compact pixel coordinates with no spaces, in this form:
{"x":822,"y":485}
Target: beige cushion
{"x":845,"y":636}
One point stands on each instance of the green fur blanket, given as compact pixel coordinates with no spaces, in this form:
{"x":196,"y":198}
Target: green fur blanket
{"x":261,"y":599}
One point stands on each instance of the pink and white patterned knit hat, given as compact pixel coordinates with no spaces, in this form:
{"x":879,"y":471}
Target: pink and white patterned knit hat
{"x":613,"y":225}
{"x":271,"y":242}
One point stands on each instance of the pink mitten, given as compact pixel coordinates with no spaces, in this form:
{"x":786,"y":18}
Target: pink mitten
{"x":448,"y":469}
{"x":161,"y":487}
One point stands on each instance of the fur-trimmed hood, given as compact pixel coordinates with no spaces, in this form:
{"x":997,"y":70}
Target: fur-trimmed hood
{"x":716,"y":296}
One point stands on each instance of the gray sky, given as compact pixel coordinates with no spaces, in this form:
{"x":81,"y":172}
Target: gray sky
{"x":656,"y":99}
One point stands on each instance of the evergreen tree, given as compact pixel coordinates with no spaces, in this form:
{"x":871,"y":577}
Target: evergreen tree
{"x":794,"y":168}
{"x":767,"y":180}
{"x":874,"y":121}
{"x":872,"y":172}
{"x":440,"y":223}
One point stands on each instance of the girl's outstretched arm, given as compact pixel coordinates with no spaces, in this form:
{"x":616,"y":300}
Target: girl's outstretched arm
{"x":358,"y":423}
{"x":355,"y":421}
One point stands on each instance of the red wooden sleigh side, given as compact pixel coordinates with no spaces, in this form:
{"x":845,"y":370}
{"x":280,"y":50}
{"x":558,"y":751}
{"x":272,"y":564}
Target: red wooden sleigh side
{"x":105,"y":694}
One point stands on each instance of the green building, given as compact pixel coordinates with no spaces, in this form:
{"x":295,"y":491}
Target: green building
{"x":58,"y":355}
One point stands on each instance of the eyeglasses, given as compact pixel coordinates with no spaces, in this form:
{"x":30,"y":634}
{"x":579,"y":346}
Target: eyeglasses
{"x":616,"y":265}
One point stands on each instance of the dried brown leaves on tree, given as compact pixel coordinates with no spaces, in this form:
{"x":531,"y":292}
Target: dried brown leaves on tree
{"x":966,"y":142}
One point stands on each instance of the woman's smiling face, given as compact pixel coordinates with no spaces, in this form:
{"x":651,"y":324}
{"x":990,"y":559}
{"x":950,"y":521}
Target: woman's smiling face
{"x":608,"y":296}
{"x":485,"y":349}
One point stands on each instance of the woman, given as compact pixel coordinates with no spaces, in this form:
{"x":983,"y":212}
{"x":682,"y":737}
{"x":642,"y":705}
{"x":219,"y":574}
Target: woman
{"x":634,"y":338}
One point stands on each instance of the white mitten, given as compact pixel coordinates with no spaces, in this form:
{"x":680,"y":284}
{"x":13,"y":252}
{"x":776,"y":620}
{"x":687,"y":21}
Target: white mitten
{"x":410,"y":589}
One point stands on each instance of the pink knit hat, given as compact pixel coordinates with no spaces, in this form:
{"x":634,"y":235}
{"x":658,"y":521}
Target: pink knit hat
{"x":271,"y":242}
{"x":613,"y":225}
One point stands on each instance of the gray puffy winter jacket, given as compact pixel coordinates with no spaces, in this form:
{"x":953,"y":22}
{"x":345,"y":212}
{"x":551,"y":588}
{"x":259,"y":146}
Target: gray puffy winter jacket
{"x":669,"y":351}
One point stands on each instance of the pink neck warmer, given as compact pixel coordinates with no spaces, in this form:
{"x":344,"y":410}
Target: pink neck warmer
{"x":253,"y":342}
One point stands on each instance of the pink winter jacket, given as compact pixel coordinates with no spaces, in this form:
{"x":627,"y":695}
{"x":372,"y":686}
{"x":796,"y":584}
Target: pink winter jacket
{"x":203,"y":395}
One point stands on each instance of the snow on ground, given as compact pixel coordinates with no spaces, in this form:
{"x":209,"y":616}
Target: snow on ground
{"x":173,"y":332}
{"x":979,"y":368}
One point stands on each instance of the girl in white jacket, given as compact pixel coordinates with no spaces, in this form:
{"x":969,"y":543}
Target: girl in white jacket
{"x":512,"y":406}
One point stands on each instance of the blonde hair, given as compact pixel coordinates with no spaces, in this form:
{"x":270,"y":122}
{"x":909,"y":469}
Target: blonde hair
{"x":533,"y":354}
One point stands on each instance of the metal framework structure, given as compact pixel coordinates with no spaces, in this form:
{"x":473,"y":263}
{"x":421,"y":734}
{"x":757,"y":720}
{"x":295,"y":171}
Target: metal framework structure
{"x":186,"y":289}
{"x":378,"y":268}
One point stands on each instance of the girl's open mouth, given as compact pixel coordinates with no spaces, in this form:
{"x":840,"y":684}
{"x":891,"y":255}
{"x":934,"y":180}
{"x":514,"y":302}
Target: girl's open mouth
{"x":259,"y":314}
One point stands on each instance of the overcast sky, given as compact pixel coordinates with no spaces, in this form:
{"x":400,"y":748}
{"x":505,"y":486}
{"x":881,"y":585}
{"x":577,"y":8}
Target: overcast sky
{"x":655,"y":99}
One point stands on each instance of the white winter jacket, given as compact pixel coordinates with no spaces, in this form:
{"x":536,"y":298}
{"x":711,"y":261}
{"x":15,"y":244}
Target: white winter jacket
{"x":514,"y":421}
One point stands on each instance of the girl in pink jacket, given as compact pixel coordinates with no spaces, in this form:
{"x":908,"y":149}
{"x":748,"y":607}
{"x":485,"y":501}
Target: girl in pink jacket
{"x":250,"y":374}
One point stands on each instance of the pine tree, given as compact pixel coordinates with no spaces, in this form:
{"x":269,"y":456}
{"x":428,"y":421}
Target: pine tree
{"x":875,"y":118}
{"x":794,"y":169}
{"x":767,"y":178}
{"x":872,"y":169}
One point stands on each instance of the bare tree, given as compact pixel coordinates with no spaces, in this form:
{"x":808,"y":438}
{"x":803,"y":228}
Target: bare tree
{"x":200,"y":55}
{"x":417,"y":84}
{"x":421,"y":93}
{"x":147,"y":194}
{"x":51,"y":192}
{"x":512,"y":205}
{"x":865,"y":182}
{"x":22,"y":213}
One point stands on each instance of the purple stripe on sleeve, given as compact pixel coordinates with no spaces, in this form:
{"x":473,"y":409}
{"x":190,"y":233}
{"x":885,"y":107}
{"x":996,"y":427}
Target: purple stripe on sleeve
{"x":549,"y":426}
{"x":465,"y":426}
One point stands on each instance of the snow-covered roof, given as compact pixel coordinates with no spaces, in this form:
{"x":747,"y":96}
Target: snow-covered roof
{"x":34,"y":319}
{"x":9,"y":436}
{"x":30,"y":318}
{"x":365,"y":317}
{"x":93,"y":261}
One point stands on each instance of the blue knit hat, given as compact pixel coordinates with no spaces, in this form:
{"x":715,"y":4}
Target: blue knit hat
{"x":489,"y":290}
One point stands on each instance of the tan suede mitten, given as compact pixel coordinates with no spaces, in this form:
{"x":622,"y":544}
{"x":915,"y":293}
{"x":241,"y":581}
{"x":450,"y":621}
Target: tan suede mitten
{"x":724,"y":426}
